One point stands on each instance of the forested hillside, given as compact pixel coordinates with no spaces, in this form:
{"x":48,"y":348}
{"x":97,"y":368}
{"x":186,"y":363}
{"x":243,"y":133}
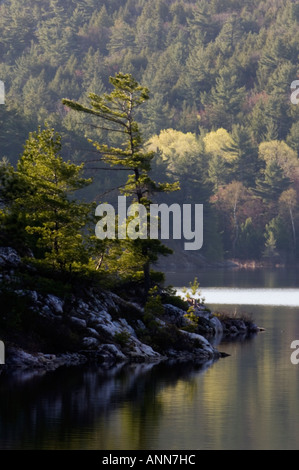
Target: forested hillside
{"x":219,"y":115}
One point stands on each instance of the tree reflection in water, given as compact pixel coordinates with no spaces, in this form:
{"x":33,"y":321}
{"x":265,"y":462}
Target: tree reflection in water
{"x":73,"y":408}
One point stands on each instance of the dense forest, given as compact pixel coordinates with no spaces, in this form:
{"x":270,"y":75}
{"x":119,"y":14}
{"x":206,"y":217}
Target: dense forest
{"x":220,"y":116}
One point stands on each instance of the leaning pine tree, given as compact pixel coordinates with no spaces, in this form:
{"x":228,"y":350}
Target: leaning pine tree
{"x":117,"y":113}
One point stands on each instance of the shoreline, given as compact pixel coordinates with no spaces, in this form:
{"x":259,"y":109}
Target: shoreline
{"x":46,"y":331}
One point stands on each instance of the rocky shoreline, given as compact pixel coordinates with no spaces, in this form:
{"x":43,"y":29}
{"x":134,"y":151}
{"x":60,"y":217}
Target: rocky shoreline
{"x":105,"y":329}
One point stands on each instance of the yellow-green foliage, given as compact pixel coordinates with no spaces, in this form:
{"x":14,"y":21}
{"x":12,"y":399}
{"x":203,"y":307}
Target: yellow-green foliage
{"x":178,"y":148}
{"x":216,"y":142}
{"x":280,"y":153}
{"x":154,"y":304}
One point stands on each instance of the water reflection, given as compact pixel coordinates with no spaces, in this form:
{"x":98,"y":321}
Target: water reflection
{"x":89,"y":408}
{"x":249,"y":400}
{"x":241,"y":278}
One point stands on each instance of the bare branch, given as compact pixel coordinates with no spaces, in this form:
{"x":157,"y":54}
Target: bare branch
{"x":109,"y":169}
{"x":110,"y":191}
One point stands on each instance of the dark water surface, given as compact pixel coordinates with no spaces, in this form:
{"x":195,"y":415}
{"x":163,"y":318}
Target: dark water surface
{"x":249,"y":400}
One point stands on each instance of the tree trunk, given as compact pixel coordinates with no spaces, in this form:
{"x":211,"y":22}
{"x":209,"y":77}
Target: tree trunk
{"x":294,"y":229}
{"x":147,"y":279}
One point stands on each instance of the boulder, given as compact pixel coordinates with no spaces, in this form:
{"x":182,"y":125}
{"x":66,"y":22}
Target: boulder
{"x":54,"y":303}
{"x":90,"y":342}
{"x":174,"y":315}
{"x":110,"y":353}
{"x":9,"y":257}
{"x":78,"y":322}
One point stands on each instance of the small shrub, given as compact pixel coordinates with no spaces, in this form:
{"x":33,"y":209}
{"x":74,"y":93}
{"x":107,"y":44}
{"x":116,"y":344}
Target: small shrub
{"x":223,"y":316}
{"x":154,"y":304}
{"x":122,"y":338}
{"x":192,"y":319}
{"x":194,"y":287}
{"x":176,"y":301}
{"x":150,"y":321}
{"x":193,"y":291}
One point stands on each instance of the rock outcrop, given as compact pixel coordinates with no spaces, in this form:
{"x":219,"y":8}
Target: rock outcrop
{"x":98,"y":325}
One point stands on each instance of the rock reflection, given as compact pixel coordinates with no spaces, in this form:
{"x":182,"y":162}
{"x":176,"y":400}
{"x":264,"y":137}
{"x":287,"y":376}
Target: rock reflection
{"x":69,"y":408}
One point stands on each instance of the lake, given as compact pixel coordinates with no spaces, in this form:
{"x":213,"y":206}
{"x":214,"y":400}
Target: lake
{"x":249,"y":400}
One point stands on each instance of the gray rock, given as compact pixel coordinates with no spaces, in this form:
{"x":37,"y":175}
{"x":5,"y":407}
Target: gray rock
{"x":9,"y":257}
{"x":46,"y":312}
{"x":141,"y":325}
{"x":160,"y":322}
{"x":217,"y":325}
{"x":19,"y":359}
{"x":33,"y":295}
{"x":233,"y":330}
{"x":203,"y":342}
{"x":142,"y":351}
{"x":111,"y":352}
{"x":205,"y":326}
{"x":55,"y":303}
{"x":78,"y":322}
{"x":82,"y":306}
{"x":174,"y":315}
{"x":127,"y":327}
{"x":21,"y":292}
{"x":93,"y":332}
{"x":240,"y":325}
{"x":90,"y":342}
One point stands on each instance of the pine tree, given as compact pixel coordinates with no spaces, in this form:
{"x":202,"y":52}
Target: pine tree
{"x":202,"y":26}
{"x":155,"y":116}
{"x":245,"y":164}
{"x":54,"y":37}
{"x":122,"y":37}
{"x":116,"y":112}
{"x":39,"y":200}
{"x":225,"y":99}
{"x":272,"y":183}
{"x":230,"y":35}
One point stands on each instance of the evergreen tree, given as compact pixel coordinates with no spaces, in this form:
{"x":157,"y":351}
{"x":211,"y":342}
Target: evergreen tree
{"x":270,"y":253}
{"x":198,"y":73}
{"x":225,"y":99}
{"x":17,"y":25}
{"x":54,"y":37}
{"x":122,"y":37}
{"x":272,"y":183}
{"x":116,"y":112}
{"x":245,"y":164}
{"x":149,"y":28}
{"x":293,"y":137}
{"x":250,"y":241}
{"x":202,"y":26}
{"x":156,"y":116}
{"x":230,"y":35}
{"x":40,"y":202}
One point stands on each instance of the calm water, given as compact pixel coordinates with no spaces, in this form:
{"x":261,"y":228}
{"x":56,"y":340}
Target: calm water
{"x":249,"y":400}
